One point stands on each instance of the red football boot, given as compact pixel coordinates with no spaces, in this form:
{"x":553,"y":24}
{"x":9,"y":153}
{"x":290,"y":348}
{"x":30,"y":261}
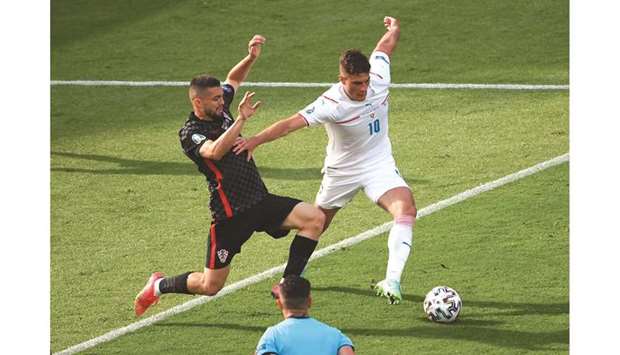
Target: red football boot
{"x":146,"y":297}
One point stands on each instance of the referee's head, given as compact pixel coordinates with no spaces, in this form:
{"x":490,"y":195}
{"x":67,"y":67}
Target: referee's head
{"x":295,"y":293}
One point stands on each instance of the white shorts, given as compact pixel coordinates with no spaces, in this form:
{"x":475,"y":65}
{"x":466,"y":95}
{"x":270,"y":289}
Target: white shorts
{"x":337,"y":191}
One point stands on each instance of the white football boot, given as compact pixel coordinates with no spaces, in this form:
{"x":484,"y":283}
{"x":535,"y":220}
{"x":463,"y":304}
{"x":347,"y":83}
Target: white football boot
{"x":389,"y":289}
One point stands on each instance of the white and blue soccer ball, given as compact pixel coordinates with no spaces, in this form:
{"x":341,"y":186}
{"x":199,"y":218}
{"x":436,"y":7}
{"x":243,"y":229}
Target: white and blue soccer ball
{"x":442,"y":304}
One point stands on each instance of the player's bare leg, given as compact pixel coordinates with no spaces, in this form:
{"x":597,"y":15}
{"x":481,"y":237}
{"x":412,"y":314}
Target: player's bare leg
{"x":309,"y":222}
{"x":307,"y":219}
{"x":399,"y":202}
{"x":209,"y":282}
{"x":329,"y":215}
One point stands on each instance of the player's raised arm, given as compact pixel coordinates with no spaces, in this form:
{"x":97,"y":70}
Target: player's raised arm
{"x":387,"y":43}
{"x":273,"y":132}
{"x":239,"y":72}
{"x":217,"y":149}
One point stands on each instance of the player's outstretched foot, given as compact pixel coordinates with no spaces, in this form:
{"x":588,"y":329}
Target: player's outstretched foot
{"x":389,"y":289}
{"x":146,"y":297}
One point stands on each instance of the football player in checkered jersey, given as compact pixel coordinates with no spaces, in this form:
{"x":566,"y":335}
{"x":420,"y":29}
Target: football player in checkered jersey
{"x":240,"y":203}
{"x":354,"y":113}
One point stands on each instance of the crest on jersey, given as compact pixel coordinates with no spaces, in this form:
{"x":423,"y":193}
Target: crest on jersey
{"x":222,"y":254}
{"x":310,"y":110}
{"x":197,"y":138}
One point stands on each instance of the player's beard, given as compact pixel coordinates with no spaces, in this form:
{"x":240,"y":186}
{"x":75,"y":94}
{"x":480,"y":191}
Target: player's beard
{"x":213,"y":113}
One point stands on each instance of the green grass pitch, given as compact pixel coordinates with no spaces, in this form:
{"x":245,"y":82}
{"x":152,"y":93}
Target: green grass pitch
{"x":126,"y":202}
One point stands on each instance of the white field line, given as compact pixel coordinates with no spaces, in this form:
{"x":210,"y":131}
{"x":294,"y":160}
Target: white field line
{"x":318,"y":254}
{"x":313,"y":85}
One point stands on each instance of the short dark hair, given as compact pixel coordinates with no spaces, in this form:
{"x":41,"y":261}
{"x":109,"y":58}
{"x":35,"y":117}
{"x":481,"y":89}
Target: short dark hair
{"x":353,"y":61}
{"x":201,"y":83}
{"x":294,"y":292}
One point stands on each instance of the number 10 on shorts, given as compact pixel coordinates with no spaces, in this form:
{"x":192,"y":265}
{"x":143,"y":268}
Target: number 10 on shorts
{"x":374,"y":126}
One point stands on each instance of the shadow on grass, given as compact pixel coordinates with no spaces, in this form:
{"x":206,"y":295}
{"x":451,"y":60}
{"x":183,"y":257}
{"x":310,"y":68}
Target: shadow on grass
{"x":472,"y":329}
{"x":475,"y":330}
{"x":231,"y":326}
{"x":127,"y":166}
{"x":467,"y":328}
{"x":147,"y":167}
{"x":507,"y":308}
{"x":505,"y":338}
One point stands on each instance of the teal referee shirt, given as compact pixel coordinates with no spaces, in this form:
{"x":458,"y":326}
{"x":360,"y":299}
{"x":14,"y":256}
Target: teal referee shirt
{"x":301,"y":336}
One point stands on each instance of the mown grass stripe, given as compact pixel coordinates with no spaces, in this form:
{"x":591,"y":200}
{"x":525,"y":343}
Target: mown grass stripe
{"x":315,"y":85}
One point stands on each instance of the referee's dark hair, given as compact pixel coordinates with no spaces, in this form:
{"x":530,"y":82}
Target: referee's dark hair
{"x":353,"y":61}
{"x":200,"y":84}
{"x":294,"y":292}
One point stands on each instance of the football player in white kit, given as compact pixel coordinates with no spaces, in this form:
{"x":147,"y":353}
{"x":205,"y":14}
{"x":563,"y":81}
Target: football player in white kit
{"x":359,"y":153}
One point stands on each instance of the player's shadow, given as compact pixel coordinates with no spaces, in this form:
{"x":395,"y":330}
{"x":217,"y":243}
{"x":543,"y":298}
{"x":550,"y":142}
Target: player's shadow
{"x":516,"y":339}
{"x":124,"y":166}
{"x":504,"y":308}
{"x":147,"y":167}
{"x":467,"y":327}
{"x":231,"y":326}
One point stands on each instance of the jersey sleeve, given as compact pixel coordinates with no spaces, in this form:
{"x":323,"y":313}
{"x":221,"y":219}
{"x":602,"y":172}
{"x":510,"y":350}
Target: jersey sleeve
{"x":345,"y":341}
{"x":229,"y":95}
{"x":380,"y":69}
{"x":267,"y":343}
{"x":192,"y":140}
{"x":322,"y":110}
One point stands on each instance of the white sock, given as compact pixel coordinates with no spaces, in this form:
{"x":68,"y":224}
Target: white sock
{"x":400,"y":242}
{"x":157,"y":291}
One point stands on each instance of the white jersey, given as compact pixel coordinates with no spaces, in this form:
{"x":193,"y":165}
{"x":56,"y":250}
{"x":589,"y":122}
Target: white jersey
{"x":357,"y":130}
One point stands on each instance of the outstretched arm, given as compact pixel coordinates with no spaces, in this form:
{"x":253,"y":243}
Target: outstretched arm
{"x":273,"y":132}
{"x":215,"y":150}
{"x":239,"y":72}
{"x":387,"y":43}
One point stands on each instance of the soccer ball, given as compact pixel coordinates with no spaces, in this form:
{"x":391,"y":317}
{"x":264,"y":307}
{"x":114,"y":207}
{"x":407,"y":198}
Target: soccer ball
{"x":442,"y":304}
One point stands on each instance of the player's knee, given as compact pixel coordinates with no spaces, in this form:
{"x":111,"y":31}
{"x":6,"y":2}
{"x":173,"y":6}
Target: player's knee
{"x":313,"y":224}
{"x":317,"y":221}
{"x":209,"y":288}
{"x":412,"y":211}
{"x":408,"y":210}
